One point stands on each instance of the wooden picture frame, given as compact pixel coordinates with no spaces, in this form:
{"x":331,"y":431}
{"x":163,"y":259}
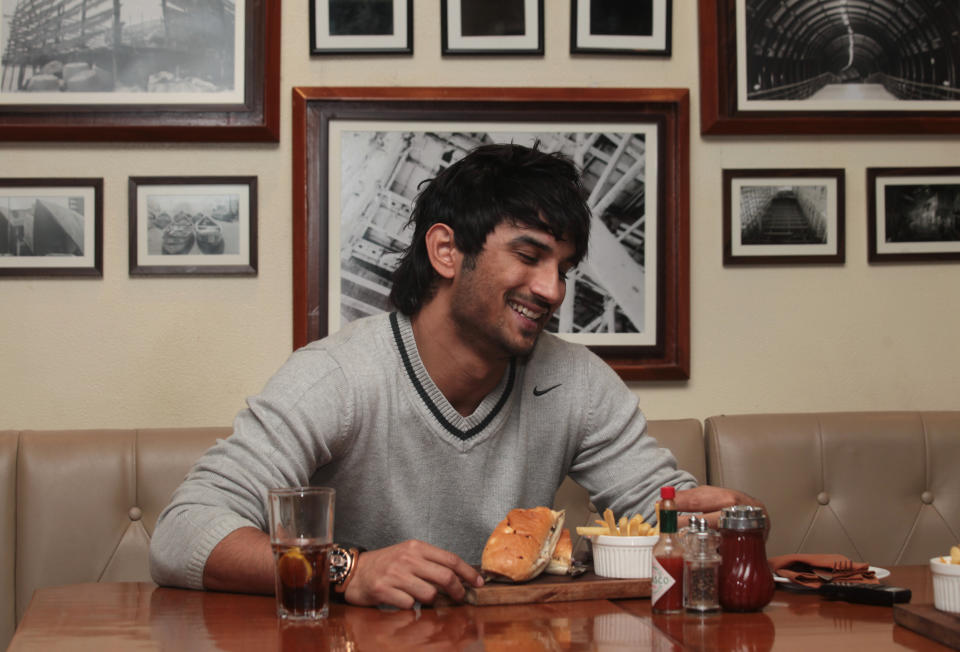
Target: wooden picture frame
{"x":632,"y":27}
{"x":337,"y":128}
{"x":482,"y":27}
{"x":783,"y":216}
{"x":51,"y":227}
{"x":361,"y":27}
{"x":741,"y":92}
{"x":193,"y":226}
{"x":181,"y":92}
{"x":913,"y":214}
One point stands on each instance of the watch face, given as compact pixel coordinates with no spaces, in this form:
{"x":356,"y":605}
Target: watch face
{"x":339,"y":564}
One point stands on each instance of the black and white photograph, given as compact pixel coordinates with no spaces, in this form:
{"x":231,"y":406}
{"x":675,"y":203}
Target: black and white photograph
{"x":360,"y":155}
{"x":621,"y":27}
{"x":913,"y":214}
{"x":361,"y":26}
{"x":51,"y":227}
{"x":610,"y":297}
{"x":491,"y":27}
{"x":193,"y":225}
{"x":139,"y":70}
{"x":783,"y":216}
{"x":132,"y":52}
{"x":848,"y":55}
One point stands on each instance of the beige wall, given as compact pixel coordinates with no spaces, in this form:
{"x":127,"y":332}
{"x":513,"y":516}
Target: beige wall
{"x":126,"y":352}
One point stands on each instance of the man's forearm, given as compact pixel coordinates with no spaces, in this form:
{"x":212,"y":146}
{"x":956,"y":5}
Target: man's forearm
{"x":242,"y":562}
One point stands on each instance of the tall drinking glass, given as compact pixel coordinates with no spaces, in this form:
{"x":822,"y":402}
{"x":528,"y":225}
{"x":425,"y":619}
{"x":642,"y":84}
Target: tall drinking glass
{"x":301,"y":534}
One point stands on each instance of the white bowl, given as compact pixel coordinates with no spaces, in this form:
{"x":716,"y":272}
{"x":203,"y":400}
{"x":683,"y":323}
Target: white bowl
{"x":946,"y":585}
{"x":623,"y":557}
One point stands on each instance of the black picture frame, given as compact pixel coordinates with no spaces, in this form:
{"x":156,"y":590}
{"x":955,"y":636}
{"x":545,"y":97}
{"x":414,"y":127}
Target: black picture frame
{"x":621,"y":27}
{"x":184,"y":110}
{"x":324,"y":118}
{"x":784,"y":216}
{"x":361,"y":27}
{"x":482,"y":27}
{"x":193,"y":226}
{"x":726,"y":107}
{"x":51,"y":227}
{"x":911,"y":214}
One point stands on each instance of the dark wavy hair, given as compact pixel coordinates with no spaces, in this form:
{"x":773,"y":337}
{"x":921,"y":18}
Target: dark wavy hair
{"x":490,"y":185}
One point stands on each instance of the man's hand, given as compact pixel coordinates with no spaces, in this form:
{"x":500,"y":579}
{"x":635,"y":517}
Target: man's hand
{"x":407,"y":573}
{"x":710,"y":500}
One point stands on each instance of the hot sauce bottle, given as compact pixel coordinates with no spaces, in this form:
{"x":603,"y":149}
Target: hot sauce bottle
{"x":667,"y":577}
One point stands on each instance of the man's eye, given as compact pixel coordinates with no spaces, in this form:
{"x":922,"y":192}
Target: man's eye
{"x":527,"y":258}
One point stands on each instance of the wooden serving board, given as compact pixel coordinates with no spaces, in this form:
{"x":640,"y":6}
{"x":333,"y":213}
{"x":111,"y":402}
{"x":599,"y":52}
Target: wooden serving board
{"x":930,"y":622}
{"x":559,"y":588}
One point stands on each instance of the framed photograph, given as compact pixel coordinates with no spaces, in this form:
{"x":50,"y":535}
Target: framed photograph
{"x":828,"y":67}
{"x":360,"y":155}
{"x":51,"y":227}
{"x":913,"y":214}
{"x":621,"y":27}
{"x":140,"y":70}
{"x":783,"y":217}
{"x":491,"y":26}
{"x":193,"y":226}
{"x":361,"y":26}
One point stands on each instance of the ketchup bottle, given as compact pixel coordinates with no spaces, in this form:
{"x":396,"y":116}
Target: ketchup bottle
{"x":667,"y":577}
{"x":746,"y":581}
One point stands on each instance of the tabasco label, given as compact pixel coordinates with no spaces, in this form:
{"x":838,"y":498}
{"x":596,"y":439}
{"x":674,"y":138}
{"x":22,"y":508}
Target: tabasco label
{"x":660,"y":581}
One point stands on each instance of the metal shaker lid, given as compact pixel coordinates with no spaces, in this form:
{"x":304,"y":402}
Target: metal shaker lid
{"x":742,"y":517}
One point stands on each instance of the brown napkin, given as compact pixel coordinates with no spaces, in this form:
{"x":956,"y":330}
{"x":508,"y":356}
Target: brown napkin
{"x":803,"y":568}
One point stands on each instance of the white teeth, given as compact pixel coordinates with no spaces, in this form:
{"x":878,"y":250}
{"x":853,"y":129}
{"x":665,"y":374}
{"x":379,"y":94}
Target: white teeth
{"x":526,"y":312}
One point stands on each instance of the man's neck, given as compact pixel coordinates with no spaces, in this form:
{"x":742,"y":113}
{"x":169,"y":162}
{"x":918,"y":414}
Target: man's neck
{"x":462,"y":373}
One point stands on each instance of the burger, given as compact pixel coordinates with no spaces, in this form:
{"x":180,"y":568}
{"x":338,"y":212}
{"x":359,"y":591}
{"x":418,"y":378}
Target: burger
{"x":522,"y":545}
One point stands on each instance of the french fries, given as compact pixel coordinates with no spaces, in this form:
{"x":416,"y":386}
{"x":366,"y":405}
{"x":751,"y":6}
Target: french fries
{"x":954,"y":557}
{"x":634,"y":526}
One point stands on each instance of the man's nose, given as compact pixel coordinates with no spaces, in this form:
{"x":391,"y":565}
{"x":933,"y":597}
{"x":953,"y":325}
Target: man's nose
{"x":548,"y":285}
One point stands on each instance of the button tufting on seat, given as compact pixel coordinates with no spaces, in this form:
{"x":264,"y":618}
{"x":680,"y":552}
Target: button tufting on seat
{"x":823,"y":498}
{"x":135,"y":513}
{"x":927,"y":497}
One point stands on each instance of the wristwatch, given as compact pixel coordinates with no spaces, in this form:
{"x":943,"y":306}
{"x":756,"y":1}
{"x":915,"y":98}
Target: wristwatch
{"x":343,"y":562}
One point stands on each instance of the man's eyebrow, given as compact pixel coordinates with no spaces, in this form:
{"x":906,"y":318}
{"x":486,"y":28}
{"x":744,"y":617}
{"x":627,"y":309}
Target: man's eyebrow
{"x":533,"y":242}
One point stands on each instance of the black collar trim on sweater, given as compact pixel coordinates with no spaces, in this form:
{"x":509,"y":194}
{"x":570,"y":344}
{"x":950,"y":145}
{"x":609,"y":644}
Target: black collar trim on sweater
{"x":452,"y":429}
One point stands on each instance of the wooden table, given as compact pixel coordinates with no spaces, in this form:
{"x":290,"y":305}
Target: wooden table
{"x":141,"y":616}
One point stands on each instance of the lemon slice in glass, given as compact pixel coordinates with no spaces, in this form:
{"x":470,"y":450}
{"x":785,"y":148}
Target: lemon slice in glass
{"x":294,"y":569}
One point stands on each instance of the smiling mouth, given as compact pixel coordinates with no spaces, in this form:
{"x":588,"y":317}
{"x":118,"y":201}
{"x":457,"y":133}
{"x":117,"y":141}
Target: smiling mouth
{"x":533,"y":315}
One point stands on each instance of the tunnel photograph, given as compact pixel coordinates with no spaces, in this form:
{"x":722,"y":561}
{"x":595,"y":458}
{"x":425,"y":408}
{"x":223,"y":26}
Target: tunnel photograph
{"x":848,"y":54}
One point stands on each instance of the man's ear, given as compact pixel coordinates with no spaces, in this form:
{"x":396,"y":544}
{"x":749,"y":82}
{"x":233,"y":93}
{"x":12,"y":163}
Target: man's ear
{"x":443,"y":252}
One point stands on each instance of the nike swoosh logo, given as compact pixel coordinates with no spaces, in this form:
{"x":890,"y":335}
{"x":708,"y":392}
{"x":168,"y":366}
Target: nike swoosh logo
{"x":541,"y":392}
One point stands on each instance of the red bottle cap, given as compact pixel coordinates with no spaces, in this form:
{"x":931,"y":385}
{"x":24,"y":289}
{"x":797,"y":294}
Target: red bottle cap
{"x":668,"y":493}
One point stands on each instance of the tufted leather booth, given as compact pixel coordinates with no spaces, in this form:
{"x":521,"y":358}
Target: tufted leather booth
{"x":882,"y":487}
{"x":80,"y":505}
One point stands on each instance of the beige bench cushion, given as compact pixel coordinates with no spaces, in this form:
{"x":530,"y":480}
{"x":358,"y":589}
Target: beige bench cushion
{"x":881,"y":487}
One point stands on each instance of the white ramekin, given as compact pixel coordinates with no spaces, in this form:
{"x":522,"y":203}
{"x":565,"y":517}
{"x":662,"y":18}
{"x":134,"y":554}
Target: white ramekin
{"x":624,"y":557}
{"x":946,"y":585}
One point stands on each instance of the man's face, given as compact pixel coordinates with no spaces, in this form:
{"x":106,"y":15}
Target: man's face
{"x":503,"y":301}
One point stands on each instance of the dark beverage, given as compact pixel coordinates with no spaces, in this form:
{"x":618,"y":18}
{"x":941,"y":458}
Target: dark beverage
{"x":303,"y":580}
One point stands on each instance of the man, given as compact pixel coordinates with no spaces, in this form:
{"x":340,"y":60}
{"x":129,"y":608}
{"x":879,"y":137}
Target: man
{"x":434,"y":421}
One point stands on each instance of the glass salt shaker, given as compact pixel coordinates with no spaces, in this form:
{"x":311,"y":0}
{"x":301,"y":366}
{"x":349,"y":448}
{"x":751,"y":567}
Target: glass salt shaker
{"x":701,"y":567}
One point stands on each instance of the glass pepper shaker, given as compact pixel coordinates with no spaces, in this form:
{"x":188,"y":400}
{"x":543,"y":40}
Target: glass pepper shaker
{"x":746,"y":581}
{"x":701,"y":567}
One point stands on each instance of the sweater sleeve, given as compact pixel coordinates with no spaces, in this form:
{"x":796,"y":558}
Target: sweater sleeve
{"x":297,"y":424}
{"x":617,"y":461}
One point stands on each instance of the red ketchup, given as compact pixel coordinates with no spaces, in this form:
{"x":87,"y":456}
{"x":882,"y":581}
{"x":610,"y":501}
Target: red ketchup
{"x":667,"y":577}
{"x":746,"y":581}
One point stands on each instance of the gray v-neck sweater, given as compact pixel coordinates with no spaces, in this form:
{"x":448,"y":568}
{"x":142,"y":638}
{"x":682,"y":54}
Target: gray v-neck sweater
{"x":357,"y":411}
